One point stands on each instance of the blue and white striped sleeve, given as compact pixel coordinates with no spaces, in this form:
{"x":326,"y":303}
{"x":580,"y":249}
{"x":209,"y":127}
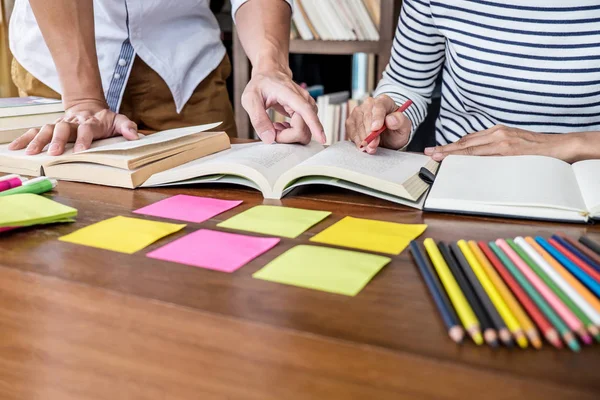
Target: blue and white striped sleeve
{"x":418,"y":54}
{"x":235,"y":4}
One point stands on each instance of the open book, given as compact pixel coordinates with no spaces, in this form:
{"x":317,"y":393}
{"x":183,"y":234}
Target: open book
{"x":278,"y":168}
{"x":118,"y":162}
{"x":519,"y":186}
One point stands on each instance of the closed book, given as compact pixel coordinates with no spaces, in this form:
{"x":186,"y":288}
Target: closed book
{"x":19,"y":106}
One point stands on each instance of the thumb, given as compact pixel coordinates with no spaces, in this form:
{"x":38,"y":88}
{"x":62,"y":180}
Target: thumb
{"x":126,"y":127}
{"x":398,"y":122}
{"x":255,"y":108}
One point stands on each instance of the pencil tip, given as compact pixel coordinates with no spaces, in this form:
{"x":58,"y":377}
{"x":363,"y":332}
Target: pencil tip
{"x":457,"y":334}
{"x":522,"y":341}
{"x":536,"y":343}
{"x":574,"y":345}
{"x":477,"y":338}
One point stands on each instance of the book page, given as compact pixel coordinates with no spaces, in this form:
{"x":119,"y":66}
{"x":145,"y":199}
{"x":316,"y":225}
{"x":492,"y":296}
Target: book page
{"x":268,"y":160}
{"x":157,"y":138}
{"x":527,"y":181}
{"x":588,"y":177}
{"x":388,"y":165}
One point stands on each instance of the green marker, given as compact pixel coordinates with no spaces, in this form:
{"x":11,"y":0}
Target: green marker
{"x":34,"y":186}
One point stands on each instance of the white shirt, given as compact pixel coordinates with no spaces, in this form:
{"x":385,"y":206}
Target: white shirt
{"x":180,"y":40}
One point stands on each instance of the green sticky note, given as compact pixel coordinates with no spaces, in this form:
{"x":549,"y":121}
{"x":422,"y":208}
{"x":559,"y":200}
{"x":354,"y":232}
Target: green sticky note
{"x":272,"y":220}
{"x":370,"y":235}
{"x":122,"y":234}
{"x":330,"y":270}
{"x":28,"y":209}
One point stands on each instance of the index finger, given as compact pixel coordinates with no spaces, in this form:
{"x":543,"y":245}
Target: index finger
{"x":303,"y":107}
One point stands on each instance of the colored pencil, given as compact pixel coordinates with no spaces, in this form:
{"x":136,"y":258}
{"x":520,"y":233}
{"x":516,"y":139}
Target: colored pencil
{"x":489,"y":333}
{"x":586,"y":312}
{"x":455,"y":330}
{"x":461,"y":305}
{"x":509,"y":300}
{"x":590,"y":244}
{"x":373,"y":135}
{"x":525,"y":302}
{"x":492,"y":312}
{"x":578,"y":253}
{"x":583,"y":291}
{"x":583,"y":249}
{"x":576,"y":260}
{"x":503,"y":310}
{"x":573,"y":269}
{"x":540,"y":302}
{"x":547,"y":288}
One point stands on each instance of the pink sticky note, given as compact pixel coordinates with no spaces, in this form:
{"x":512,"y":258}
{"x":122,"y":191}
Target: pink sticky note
{"x":216,"y":250}
{"x":188,"y":208}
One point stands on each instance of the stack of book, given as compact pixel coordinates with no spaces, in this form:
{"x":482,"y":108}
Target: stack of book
{"x":336,"y":20}
{"x":19,"y":114}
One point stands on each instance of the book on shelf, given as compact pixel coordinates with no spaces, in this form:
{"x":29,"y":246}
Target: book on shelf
{"x":345,"y":20}
{"x":532,"y":187}
{"x":277,"y":169}
{"x":117,"y":161}
{"x":19,"y":114}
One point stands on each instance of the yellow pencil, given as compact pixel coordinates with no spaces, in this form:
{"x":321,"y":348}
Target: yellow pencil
{"x":488,"y":286}
{"x":509,"y":298}
{"x":460,"y":303}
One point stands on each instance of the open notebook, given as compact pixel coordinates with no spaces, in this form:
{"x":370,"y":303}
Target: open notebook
{"x":117,"y":161}
{"x":278,"y":168}
{"x":519,"y":186}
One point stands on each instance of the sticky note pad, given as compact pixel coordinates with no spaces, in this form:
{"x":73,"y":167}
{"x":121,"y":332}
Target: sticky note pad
{"x":220,"y":251}
{"x":188,"y":208}
{"x":122,"y":234}
{"x":370,"y":235}
{"x":272,"y":220}
{"x":330,"y":270}
{"x":31,"y":209}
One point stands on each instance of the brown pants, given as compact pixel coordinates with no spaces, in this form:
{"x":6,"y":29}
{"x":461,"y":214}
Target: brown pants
{"x":148,"y":102}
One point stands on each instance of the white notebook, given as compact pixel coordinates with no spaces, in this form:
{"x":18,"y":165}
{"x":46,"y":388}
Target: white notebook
{"x":519,"y":186}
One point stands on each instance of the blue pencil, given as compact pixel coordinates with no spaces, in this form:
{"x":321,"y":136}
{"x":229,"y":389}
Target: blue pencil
{"x":577,"y":252}
{"x":455,"y":329}
{"x":568,"y":264}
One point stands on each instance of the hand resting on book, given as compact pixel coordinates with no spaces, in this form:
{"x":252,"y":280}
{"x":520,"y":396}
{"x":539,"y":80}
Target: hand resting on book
{"x":83,"y":123}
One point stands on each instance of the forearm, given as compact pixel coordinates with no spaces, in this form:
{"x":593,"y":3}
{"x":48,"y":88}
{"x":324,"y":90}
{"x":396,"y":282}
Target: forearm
{"x":68,"y":30}
{"x":579,"y":146}
{"x":264,"y":30}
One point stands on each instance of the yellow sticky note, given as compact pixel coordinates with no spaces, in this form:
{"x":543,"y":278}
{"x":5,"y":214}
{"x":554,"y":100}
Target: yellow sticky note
{"x":122,"y":234}
{"x":370,"y":235}
{"x":272,"y":220}
{"x":31,"y":209}
{"x":330,"y":270}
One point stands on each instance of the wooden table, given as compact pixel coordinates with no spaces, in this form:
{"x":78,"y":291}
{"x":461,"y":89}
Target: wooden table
{"x":81,"y":323}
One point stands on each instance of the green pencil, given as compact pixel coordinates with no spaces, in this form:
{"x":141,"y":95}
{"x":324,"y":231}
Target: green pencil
{"x":552,"y":286}
{"x":544,"y":307}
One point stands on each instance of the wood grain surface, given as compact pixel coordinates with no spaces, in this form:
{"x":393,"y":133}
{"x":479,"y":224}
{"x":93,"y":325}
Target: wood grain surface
{"x":83,"y":323}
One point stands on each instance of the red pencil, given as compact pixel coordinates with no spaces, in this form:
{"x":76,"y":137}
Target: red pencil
{"x":576,"y":260}
{"x":543,"y":324}
{"x":376,"y":133}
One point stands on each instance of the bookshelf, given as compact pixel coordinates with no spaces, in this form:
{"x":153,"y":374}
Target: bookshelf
{"x":381,"y":49}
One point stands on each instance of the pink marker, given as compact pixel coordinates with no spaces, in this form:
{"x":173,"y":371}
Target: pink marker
{"x":10,"y":182}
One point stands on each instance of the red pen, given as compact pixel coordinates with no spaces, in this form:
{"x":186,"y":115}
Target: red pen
{"x":10,"y":182}
{"x":378,"y":132}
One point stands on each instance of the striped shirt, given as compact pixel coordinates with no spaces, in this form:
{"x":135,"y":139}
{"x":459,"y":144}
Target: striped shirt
{"x":533,"y":64}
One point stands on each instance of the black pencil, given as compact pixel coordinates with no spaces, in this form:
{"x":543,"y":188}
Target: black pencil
{"x":455,"y":329}
{"x":590,"y":244}
{"x":492,"y":312}
{"x":489,"y":332}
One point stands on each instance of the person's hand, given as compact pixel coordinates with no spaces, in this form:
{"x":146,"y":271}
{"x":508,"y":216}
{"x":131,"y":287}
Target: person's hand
{"x":274,"y":88}
{"x":502,"y":140}
{"x":371,"y":116}
{"x":82,"y":123}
